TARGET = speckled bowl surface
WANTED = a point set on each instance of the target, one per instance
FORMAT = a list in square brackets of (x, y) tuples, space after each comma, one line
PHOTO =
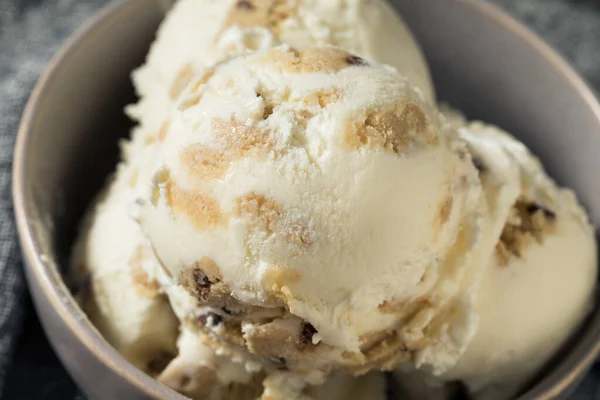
[(482, 61)]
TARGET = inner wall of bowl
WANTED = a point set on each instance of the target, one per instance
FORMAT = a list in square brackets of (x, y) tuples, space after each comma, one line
[(79, 122), (492, 75), (482, 67)]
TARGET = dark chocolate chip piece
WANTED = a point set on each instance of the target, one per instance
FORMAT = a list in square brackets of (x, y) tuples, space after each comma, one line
[(245, 5), (226, 310), (202, 285), (307, 333), (279, 361), (210, 319), (214, 319), (533, 208), (356, 60)]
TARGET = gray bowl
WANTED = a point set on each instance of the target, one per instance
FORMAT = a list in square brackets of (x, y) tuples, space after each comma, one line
[(482, 61)]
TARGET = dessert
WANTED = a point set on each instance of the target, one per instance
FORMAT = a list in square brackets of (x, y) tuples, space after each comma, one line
[(538, 285), (279, 170), (198, 33), (111, 248), (292, 217), (123, 302)]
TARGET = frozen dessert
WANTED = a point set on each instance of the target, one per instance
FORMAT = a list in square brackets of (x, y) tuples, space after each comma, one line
[(538, 285), (293, 216), (109, 263), (281, 170), (124, 300), (198, 33)]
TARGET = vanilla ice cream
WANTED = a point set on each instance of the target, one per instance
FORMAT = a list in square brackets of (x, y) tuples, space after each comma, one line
[(537, 288), (539, 282), (289, 213), (322, 189), (197, 33), (125, 304)]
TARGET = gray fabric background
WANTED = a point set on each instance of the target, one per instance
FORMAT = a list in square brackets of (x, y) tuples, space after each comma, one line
[(30, 33)]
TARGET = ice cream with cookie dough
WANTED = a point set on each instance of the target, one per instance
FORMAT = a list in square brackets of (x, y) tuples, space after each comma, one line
[(293, 212), (321, 214)]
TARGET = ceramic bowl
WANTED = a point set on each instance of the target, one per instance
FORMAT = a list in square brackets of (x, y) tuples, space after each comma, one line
[(482, 61)]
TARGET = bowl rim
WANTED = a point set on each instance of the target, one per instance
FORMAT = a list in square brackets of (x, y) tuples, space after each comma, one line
[(45, 273), (61, 299)]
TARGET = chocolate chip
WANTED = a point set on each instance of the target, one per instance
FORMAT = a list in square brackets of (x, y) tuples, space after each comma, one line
[(226, 310), (202, 285), (533, 208), (356, 60), (478, 163), (258, 94), (210, 319), (279, 361), (307, 333), (245, 5), (215, 319)]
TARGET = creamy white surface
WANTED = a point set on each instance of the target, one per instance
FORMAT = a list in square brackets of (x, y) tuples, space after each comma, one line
[(530, 306), (138, 323), (370, 210), (193, 34)]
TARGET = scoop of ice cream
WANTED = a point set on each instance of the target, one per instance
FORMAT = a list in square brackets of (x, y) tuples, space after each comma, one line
[(125, 304), (538, 286), (126, 301), (317, 202), (198, 33), (539, 281)]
